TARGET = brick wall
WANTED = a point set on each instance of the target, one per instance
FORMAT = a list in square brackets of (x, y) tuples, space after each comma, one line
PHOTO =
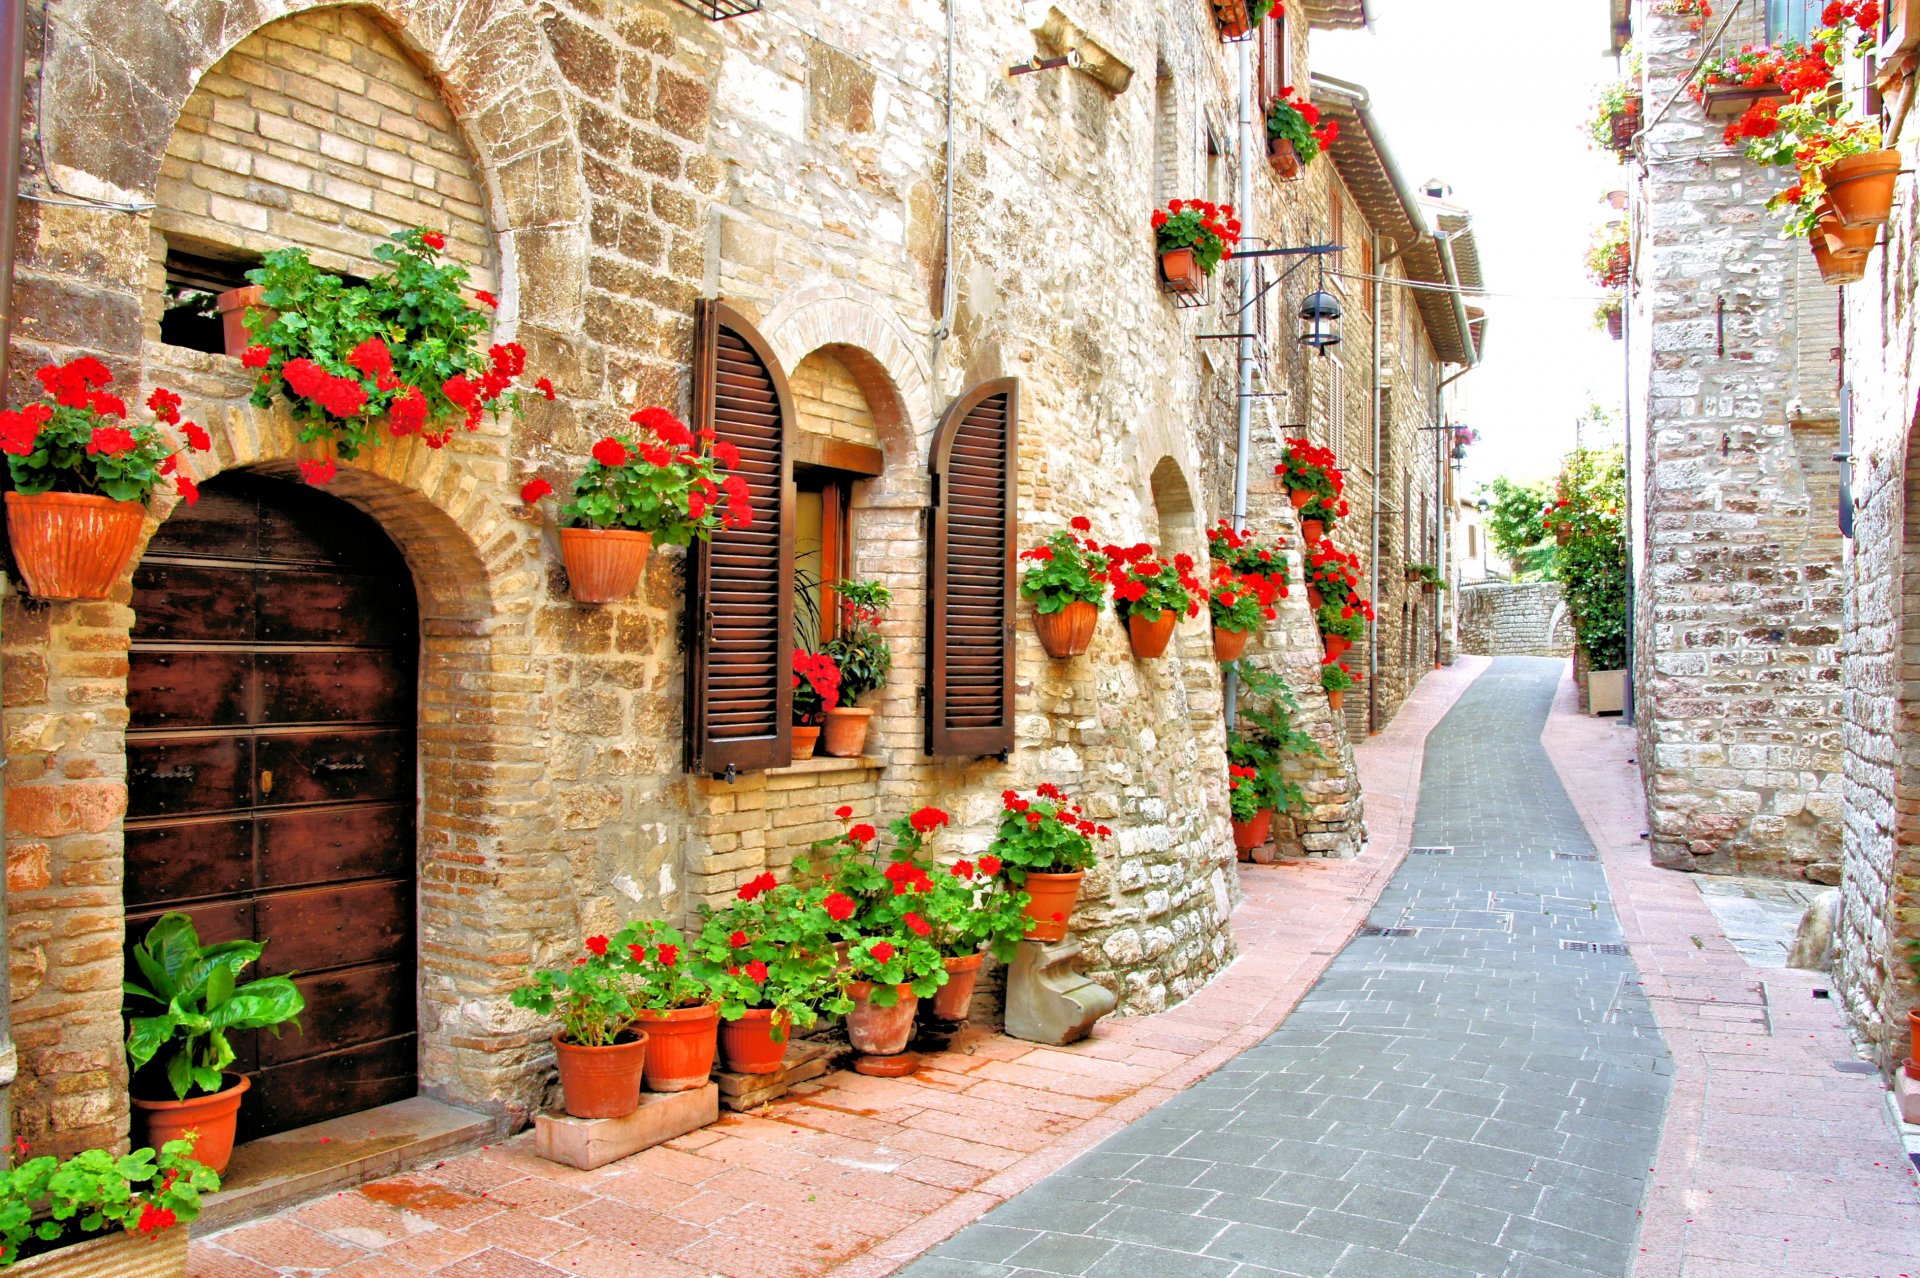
[(1514, 619)]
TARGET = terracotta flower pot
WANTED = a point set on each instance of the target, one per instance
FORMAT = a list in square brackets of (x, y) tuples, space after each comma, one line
[(1312, 530), (748, 1045), (805, 737), (1180, 271), (1300, 497), (603, 564), (680, 1047), (1616, 325), (1336, 645), (1913, 1043), (846, 734), (1336, 698), (1248, 835), (1149, 637), (1229, 644), (1847, 242), (1068, 632), (1314, 597), (72, 545), (601, 1082), (212, 1117), (233, 306), (1285, 159), (116, 1255), (1050, 899), (1861, 186), (1833, 270), (952, 1001), (880, 1031)]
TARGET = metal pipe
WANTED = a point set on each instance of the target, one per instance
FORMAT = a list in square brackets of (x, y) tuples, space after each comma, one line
[(1373, 560), (944, 328), (13, 81), (1243, 402)]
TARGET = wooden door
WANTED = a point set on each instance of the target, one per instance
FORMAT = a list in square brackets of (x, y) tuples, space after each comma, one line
[(271, 776)]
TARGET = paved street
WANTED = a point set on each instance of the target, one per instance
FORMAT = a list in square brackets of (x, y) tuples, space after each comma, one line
[(1479, 1094)]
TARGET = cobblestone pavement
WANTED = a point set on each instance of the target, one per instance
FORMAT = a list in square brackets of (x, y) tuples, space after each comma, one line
[(1477, 1092)]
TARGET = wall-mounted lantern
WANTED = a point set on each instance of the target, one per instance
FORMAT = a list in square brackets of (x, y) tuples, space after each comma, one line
[(1320, 321)]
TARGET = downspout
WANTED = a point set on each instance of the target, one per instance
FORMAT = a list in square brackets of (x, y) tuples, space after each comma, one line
[(13, 78), (1443, 240), (1379, 477), (944, 328), (1243, 416)]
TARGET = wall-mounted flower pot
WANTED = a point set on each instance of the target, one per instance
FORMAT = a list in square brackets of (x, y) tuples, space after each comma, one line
[(1050, 899), (211, 1118), (1248, 835), (806, 736), (1616, 324), (1833, 270), (601, 1082), (1336, 645), (846, 734), (952, 1001), (1861, 186), (1913, 1043), (116, 1255), (603, 564), (1312, 530), (1336, 699), (749, 1046), (1428, 587), (72, 545), (681, 1043), (1314, 597), (1179, 272), (1300, 497), (1229, 644), (1284, 157), (1148, 636), (1847, 243), (880, 1031), (1624, 125), (1233, 18), (233, 306), (1068, 632)]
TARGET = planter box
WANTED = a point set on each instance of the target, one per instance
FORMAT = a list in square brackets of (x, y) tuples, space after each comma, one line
[(1606, 691), (588, 1143), (1727, 102), (121, 1256)]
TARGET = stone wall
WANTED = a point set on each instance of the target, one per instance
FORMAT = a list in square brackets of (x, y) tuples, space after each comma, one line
[(1514, 619), (608, 169), (1738, 605)]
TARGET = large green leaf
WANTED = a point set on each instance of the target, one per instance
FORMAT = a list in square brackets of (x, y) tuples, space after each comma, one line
[(260, 1005), (146, 1036)]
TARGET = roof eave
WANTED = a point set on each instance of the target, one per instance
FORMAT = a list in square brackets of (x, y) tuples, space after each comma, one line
[(1338, 15)]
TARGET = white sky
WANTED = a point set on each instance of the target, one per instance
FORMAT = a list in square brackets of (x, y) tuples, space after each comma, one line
[(1492, 96)]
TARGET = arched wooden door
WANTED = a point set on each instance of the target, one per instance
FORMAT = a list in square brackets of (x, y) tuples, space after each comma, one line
[(271, 776)]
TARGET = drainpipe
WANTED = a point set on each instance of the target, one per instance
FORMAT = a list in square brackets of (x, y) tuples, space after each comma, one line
[(1379, 477), (13, 77), (1443, 240), (1244, 380)]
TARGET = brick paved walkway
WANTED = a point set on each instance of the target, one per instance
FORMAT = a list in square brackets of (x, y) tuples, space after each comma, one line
[(1481, 1096), (859, 1175)]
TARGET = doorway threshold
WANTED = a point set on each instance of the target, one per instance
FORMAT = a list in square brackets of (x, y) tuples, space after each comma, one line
[(292, 1166)]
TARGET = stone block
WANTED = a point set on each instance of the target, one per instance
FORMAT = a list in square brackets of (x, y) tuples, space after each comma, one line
[(588, 1143), (804, 1060)]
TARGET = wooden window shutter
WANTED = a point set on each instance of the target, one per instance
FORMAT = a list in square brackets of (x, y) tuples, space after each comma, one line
[(970, 585), (1273, 59), (740, 584)]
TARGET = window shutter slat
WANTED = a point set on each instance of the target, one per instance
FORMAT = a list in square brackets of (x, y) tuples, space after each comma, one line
[(739, 585), (970, 594)]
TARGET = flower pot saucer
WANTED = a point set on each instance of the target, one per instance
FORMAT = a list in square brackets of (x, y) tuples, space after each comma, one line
[(898, 1066)]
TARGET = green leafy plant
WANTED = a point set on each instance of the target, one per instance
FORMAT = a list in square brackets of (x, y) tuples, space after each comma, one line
[(816, 687), (771, 947), (1047, 834), (1341, 620), (1425, 575), (202, 1002), (1336, 677), (1592, 566), (668, 973), (1328, 510), (1066, 568), (863, 654), (1267, 734), (1210, 230), (1146, 585), (1291, 118), (874, 902), (402, 349), (1312, 468), (1239, 603), (667, 482), (593, 996), (1513, 525), (95, 1192), (76, 441)]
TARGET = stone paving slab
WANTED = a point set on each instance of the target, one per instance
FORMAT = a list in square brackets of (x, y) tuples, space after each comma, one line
[(1469, 1096)]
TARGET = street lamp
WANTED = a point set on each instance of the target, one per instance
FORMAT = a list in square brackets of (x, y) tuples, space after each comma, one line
[(1320, 321)]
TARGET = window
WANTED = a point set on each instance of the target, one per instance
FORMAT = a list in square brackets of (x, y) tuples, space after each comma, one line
[(1216, 176), (1166, 139), (1792, 19), (1366, 268), (822, 534), (1336, 229), (1275, 73), (1473, 541), (189, 319)]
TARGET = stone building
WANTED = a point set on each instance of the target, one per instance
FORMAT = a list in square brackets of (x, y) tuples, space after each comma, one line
[(794, 197), (1734, 417)]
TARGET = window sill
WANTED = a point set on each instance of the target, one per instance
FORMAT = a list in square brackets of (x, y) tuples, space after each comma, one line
[(828, 763)]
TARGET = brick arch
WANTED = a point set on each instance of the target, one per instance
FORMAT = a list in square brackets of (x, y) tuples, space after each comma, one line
[(865, 333)]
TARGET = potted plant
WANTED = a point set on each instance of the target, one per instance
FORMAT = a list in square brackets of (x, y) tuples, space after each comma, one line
[(1238, 605), (1243, 552), (397, 356), (663, 486), (1616, 118), (1696, 12), (772, 961), (601, 1056), (968, 910), (1065, 581), (1333, 575), (200, 1002), (1308, 470), (1044, 845), (865, 659), (1248, 809), (816, 690), (1193, 237), (1264, 736), (1610, 260), (1426, 576), (1336, 678), (1238, 17), (1149, 594), (100, 1213), (1296, 134), (82, 477), (1342, 624), (674, 1002), (1319, 515), (1611, 315)]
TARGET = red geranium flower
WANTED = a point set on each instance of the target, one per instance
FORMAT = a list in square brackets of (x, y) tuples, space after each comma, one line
[(989, 865), (433, 240), (757, 972), (610, 452), (597, 946), (534, 490), (927, 820), (839, 907), (668, 955), (843, 811), (881, 951)]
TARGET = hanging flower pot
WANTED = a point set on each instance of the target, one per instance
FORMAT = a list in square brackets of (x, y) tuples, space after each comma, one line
[(1180, 272), (601, 1082), (681, 1042), (1336, 645), (1300, 497), (1913, 1043), (1066, 633), (952, 1001), (72, 545), (1336, 699), (1050, 899), (1847, 243), (880, 1031), (1248, 835), (1861, 186), (1616, 324), (749, 1045), (1314, 597), (1149, 635), (233, 306), (1312, 530), (603, 564), (208, 1121), (846, 732), (805, 737), (1284, 158), (1228, 645), (1833, 270)]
